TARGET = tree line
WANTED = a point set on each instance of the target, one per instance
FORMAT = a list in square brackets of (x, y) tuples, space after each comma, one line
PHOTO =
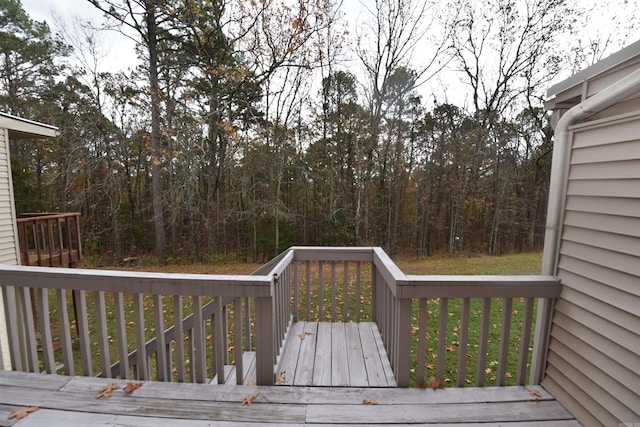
[(250, 126)]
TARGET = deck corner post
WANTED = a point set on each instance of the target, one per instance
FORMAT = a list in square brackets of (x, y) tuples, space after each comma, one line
[(265, 350), (541, 340), (403, 357)]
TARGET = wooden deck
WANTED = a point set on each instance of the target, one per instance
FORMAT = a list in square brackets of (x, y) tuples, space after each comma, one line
[(71, 401), (323, 354), (335, 355)]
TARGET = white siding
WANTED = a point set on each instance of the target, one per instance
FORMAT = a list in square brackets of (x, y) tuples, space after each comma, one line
[(8, 231), (594, 350), (8, 244)]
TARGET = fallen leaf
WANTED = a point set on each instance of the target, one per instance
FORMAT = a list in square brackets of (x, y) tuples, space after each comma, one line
[(369, 401), (249, 398), (22, 412), (433, 383), (534, 393), (304, 334), (106, 390), (252, 383), (282, 378), (131, 387)]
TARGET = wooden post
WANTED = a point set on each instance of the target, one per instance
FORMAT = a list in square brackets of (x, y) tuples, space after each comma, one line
[(219, 341), (541, 340), (11, 314), (264, 341), (404, 342)]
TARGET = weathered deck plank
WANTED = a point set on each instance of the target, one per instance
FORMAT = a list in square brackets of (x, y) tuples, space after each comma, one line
[(372, 361), (322, 356), (304, 373), (436, 413), (339, 365), (70, 401), (355, 356), (289, 359), (335, 355)]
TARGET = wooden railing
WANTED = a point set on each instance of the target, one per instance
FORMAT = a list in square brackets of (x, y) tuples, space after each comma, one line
[(49, 240), (86, 312), (412, 312), (175, 327)]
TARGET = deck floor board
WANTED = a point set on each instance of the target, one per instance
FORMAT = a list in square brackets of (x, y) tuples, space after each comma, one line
[(70, 401), (335, 355)]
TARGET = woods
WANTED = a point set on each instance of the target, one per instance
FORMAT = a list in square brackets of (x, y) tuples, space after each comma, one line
[(250, 126)]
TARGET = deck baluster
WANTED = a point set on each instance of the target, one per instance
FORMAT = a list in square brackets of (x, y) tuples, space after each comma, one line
[(463, 334), (320, 292), (503, 352), (483, 342), (442, 336), (45, 331), (161, 359), (141, 348), (237, 340), (82, 325), (422, 341), (525, 338), (199, 365), (219, 346), (121, 332), (103, 334), (179, 337)]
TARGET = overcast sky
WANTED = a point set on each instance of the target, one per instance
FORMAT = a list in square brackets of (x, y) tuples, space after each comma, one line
[(121, 54), (119, 48)]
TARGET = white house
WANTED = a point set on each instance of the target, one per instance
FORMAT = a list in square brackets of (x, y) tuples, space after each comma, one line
[(12, 127)]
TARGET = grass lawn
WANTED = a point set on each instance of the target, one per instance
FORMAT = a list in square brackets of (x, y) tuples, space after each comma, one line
[(512, 264)]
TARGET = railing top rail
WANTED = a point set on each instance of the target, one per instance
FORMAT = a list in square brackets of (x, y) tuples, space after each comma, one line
[(480, 287), (332, 253), (136, 282), (44, 216), (388, 269), (282, 264), (266, 268)]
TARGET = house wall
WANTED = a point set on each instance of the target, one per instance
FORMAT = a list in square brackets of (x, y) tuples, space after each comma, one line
[(9, 249), (594, 350)]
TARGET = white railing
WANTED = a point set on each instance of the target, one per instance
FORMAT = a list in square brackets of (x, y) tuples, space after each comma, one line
[(363, 284), (156, 326), (58, 319)]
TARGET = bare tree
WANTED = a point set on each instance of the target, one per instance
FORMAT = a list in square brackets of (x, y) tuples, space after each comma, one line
[(505, 51), (387, 42), (144, 18)]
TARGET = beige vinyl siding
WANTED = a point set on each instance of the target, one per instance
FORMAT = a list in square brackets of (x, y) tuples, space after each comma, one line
[(8, 249), (8, 243), (594, 350)]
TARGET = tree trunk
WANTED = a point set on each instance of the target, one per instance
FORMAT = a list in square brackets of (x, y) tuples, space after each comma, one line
[(156, 157)]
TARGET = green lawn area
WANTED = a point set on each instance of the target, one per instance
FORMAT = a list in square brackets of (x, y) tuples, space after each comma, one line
[(526, 263)]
